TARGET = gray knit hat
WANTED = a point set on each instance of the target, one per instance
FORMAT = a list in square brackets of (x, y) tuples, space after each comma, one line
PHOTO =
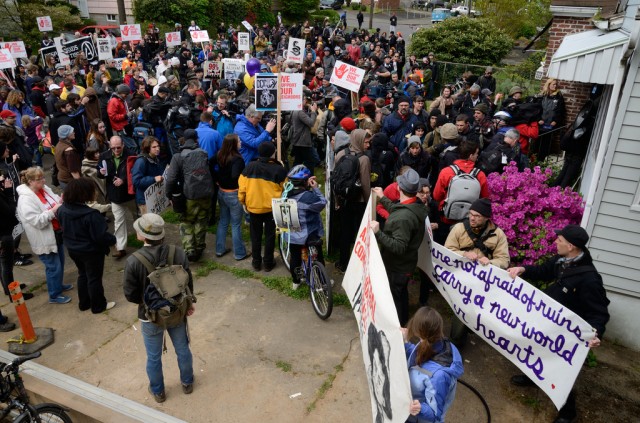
[(65, 131)]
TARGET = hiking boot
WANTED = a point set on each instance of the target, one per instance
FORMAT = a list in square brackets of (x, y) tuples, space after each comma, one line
[(7, 327), (61, 299), (161, 397), (188, 388), (269, 267)]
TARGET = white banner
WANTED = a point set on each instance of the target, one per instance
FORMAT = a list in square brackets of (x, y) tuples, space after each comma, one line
[(172, 38), (365, 283), (243, 41), (6, 60), (347, 76), (44, 23), (247, 25), (131, 32), (295, 52), (63, 58), (199, 36), (155, 197), (16, 48), (104, 49), (291, 86), (232, 69), (541, 337)]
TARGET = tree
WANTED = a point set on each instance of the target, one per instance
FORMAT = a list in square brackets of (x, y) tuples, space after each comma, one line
[(518, 18), (298, 10), (183, 11), (463, 40)]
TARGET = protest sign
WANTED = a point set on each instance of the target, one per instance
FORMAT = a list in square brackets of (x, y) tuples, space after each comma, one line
[(49, 56), (62, 57), (365, 283), (6, 60), (247, 25), (104, 49), (44, 23), (155, 197), (243, 41), (199, 36), (285, 214), (266, 90), (80, 45), (16, 48), (212, 69), (291, 86), (544, 339), (118, 63), (347, 76), (172, 39), (295, 52), (232, 69), (131, 32)]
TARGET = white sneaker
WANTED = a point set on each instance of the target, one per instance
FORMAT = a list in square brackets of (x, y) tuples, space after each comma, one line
[(110, 305), (295, 286)]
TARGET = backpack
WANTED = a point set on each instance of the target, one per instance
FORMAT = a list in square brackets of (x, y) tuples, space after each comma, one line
[(345, 177), (463, 190), (490, 161), (167, 297), (142, 130), (131, 161)]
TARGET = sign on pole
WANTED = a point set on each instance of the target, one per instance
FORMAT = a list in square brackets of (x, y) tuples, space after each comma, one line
[(365, 283), (62, 56), (243, 41), (232, 69), (85, 45), (172, 39), (104, 49), (212, 69), (291, 91), (347, 76), (295, 52), (199, 36), (247, 25), (155, 197), (44, 23), (6, 60), (131, 32), (266, 90), (16, 48)]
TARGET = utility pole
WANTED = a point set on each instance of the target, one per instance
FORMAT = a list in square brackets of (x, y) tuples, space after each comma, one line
[(371, 13), (122, 13)]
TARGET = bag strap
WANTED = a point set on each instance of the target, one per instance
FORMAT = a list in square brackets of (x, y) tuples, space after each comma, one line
[(478, 240), (421, 370), (475, 172), (456, 169), (172, 254), (145, 262)]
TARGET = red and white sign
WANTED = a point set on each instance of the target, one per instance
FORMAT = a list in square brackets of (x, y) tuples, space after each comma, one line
[(16, 48), (172, 39), (212, 69), (347, 76), (291, 86), (6, 60), (44, 23), (131, 32), (199, 36)]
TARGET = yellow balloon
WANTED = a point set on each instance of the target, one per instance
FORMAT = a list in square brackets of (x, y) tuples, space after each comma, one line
[(248, 81)]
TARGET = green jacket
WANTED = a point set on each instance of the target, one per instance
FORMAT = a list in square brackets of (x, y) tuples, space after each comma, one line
[(402, 235)]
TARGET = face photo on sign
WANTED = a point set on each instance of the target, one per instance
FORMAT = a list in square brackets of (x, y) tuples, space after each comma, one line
[(285, 214), (379, 350)]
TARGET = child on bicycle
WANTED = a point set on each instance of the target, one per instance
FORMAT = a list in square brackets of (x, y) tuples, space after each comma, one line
[(310, 202)]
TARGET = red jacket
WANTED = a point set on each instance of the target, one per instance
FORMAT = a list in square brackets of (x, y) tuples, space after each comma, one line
[(393, 194), (117, 110), (527, 133), (440, 191)]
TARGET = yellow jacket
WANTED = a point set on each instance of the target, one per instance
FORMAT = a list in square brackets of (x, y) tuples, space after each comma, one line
[(261, 181), (460, 242)]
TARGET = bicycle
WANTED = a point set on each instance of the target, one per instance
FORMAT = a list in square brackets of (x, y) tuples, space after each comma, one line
[(16, 399), (313, 273)]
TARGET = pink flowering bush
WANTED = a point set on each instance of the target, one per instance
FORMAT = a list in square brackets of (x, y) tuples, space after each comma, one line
[(528, 211)]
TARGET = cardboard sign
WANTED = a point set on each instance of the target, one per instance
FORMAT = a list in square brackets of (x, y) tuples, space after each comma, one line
[(544, 339), (295, 52), (131, 32), (232, 69), (247, 25), (172, 39), (266, 90), (104, 49), (6, 60), (347, 76), (243, 41), (365, 283), (212, 69), (291, 91), (199, 36), (16, 48), (44, 23), (84, 45), (155, 198)]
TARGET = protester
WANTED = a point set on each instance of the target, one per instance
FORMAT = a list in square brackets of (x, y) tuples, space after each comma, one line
[(68, 159), (147, 170), (251, 133)]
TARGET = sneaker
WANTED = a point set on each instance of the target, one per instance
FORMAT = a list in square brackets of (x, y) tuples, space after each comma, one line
[(295, 286), (18, 254), (187, 389), (245, 256), (22, 262), (61, 299), (228, 250), (110, 305), (161, 397), (66, 288), (7, 327)]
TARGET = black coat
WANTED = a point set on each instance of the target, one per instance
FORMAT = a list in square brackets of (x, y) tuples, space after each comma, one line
[(116, 194), (84, 229)]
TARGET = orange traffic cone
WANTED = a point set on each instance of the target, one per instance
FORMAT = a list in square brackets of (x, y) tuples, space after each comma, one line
[(28, 334)]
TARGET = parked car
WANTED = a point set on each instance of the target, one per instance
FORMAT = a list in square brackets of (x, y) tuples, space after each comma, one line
[(419, 4), (355, 2), (434, 4), (440, 14), (464, 10), (331, 4), (102, 30)]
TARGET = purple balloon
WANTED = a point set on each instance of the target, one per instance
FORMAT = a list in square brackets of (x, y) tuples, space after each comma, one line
[(253, 66)]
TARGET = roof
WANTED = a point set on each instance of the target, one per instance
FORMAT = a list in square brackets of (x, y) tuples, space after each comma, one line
[(590, 56), (606, 5)]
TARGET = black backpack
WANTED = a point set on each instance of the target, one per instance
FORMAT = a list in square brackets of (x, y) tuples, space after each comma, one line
[(490, 161), (345, 177)]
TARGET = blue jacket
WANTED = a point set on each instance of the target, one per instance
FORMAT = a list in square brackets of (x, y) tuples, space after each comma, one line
[(26, 110), (397, 129), (436, 392), (209, 139), (310, 204), (251, 137), (224, 125), (143, 175)]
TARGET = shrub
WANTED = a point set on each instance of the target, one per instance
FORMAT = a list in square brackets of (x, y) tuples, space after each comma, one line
[(463, 40), (518, 18), (528, 211), (319, 15), (298, 9)]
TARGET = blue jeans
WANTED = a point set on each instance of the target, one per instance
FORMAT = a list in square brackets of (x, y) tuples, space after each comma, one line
[(54, 270), (230, 211), (153, 336)]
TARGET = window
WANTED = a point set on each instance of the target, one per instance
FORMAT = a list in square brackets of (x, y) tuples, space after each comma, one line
[(111, 18)]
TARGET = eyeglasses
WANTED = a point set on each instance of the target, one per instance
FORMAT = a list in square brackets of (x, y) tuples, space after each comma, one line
[(116, 148)]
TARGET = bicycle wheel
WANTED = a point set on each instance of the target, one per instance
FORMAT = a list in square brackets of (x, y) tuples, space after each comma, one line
[(320, 289), (52, 413), (283, 246)]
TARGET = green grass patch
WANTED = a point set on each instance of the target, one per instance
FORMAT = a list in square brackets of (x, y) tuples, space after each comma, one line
[(133, 242), (531, 402), (283, 365), (170, 216), (592, 359)]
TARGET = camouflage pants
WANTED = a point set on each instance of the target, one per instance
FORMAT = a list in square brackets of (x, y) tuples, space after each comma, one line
[(193, 225)]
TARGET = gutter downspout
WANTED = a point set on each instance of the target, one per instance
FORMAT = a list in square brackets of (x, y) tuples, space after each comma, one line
[(623, 69)]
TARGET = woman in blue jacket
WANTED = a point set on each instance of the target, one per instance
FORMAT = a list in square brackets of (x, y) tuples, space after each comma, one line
[(434, 367), (147, 170)]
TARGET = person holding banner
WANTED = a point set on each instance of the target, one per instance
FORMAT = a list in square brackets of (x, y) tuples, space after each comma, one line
[(576, 284), (147, 170)]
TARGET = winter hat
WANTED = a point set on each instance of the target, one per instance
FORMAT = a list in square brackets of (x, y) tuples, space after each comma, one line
[(435, 112), (7, 113), (190, 134), (123, 89), (409, 181), (448, 131), (348, 124), (441, 120), (65, 131), (404, 99), (514, 90), (150, 226), (341, 139), (482, 206), (574, 234), (414, 139), (266, 149), (175, 61), (482, 108)]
